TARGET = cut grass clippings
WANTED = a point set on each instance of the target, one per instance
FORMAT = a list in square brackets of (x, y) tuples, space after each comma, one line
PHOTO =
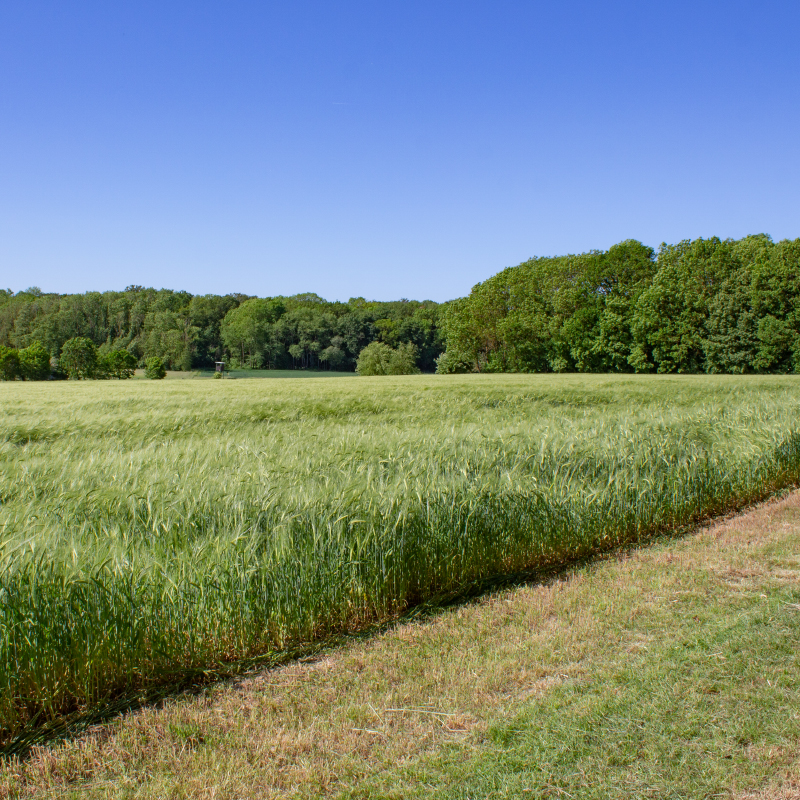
[(670, 671)]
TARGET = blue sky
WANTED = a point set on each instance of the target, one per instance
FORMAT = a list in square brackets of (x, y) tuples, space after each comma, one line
[(383, 149)]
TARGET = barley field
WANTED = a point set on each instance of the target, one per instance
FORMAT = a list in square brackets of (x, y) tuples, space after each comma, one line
[(150, 528)]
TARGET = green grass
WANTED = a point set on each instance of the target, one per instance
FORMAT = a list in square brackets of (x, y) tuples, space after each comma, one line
[(153, 528), (252, 373), (280, 373), (689, 688), (650, 726)]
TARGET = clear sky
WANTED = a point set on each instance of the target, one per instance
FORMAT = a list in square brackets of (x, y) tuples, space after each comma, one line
[(383, 149)]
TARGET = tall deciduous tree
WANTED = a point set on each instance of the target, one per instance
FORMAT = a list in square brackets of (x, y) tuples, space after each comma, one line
[(120, 364), (34, 362), (78, 358), (9, 363), (247, 330)]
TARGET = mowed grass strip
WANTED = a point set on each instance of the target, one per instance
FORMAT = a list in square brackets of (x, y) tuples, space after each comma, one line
[(668, 671)]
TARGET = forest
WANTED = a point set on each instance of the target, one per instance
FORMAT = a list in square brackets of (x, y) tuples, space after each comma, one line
[(193, 332), (703, 305)]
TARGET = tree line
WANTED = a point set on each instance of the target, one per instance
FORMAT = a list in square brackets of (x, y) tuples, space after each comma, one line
[(703, 305), (188, 332)]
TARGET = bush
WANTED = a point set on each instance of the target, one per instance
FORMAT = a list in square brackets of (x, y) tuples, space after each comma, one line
[(378, 358), (374, 359), (119, 364), (34, 362), (404, 360), (452, 362), (79, 358), (154, 369), (9, 363)]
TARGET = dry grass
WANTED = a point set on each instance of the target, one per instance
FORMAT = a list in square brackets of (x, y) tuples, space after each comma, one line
[(787, 789), (321, 727), (306, 727)]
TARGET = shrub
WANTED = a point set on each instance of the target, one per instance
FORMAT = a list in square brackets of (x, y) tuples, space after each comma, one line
[(34, 362), (79, 358), (378, 358), (451, 362), (9, 363), (119, 364), (403, 360), (374, 359), (154, 369)]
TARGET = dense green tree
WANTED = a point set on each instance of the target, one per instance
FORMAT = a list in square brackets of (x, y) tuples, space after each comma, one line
[(550, 314), (34, 362), (206, 313), (305, 332), (248, 331), (154, 368), (732, 341), (671, 315), (78, 358), (170, 336), (356, 330), (775, 300), (779, 346), (120, 364), (186, 332), (378, 358), (334, 356), (702, 305), (419, 328), (9, 363)]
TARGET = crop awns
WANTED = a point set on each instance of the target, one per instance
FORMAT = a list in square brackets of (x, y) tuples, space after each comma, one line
[(152, 529)]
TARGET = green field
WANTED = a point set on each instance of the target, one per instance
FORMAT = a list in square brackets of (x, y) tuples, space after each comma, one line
[(149, 528), (252, 373)]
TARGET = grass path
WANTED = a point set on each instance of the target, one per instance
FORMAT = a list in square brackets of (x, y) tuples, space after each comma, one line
[(672, 671)]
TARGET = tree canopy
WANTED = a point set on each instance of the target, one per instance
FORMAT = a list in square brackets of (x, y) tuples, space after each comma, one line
[(703, 305), (191, 332), (707, 305)]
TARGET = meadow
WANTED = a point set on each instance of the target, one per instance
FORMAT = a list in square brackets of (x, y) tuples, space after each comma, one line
[(292, 374), (148, 529)]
